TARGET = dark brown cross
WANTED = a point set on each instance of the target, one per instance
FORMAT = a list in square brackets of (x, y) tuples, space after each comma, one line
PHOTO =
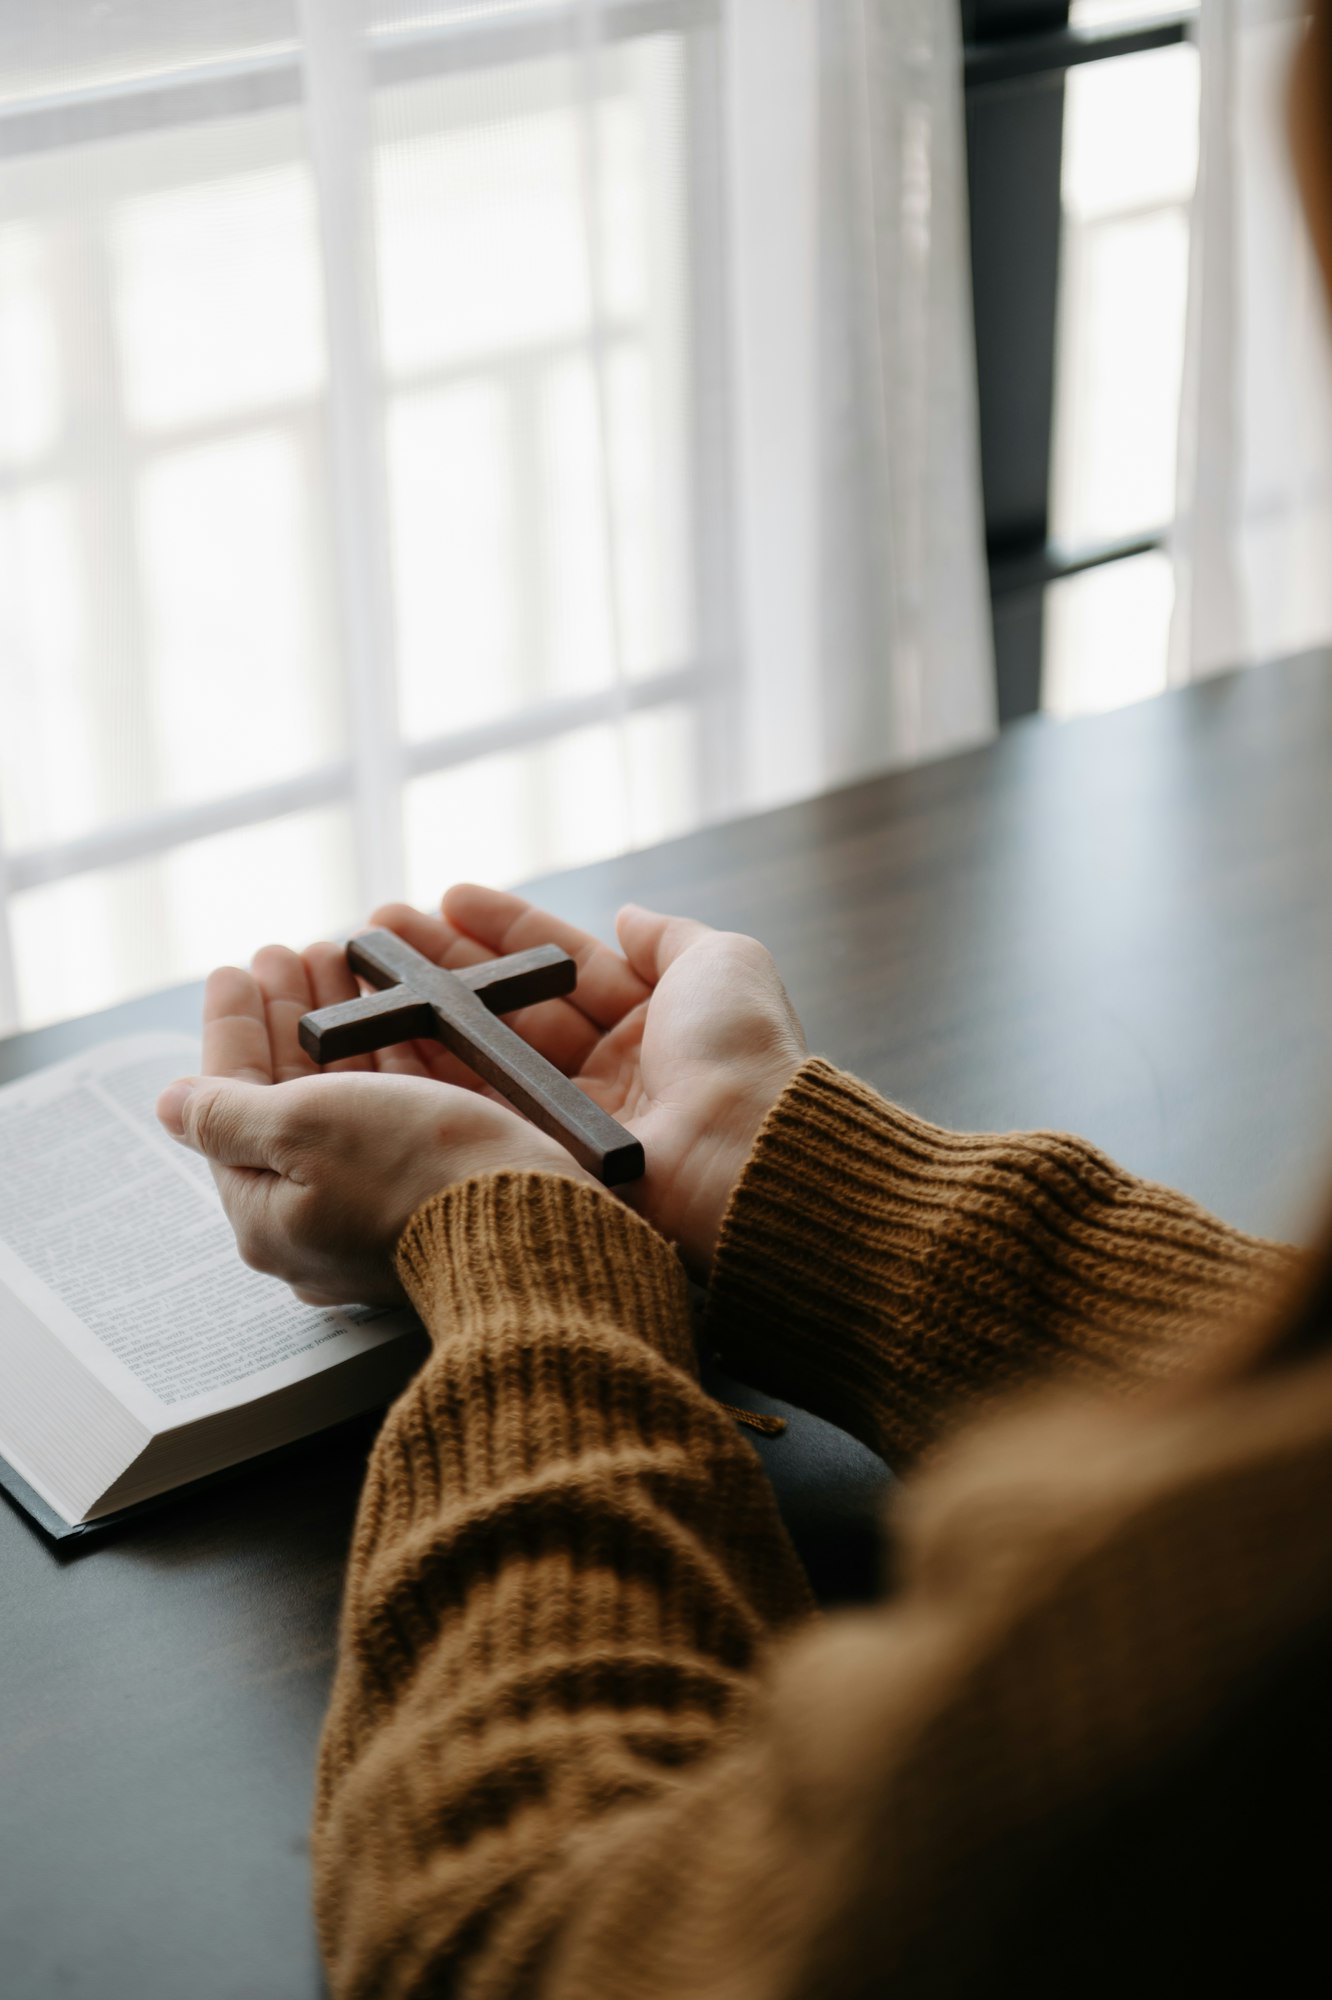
[(459, 1008)]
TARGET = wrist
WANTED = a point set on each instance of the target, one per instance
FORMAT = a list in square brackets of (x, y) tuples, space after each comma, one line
[(537, 1155), (727, 1130), (541, 1155)]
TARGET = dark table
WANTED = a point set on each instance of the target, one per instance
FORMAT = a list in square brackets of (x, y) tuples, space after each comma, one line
[(1121, 926)]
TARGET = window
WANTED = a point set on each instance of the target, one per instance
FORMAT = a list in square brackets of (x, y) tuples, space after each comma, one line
[(303, 603), (1083, 137)]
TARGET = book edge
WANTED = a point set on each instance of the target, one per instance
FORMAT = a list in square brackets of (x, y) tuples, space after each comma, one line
[(26, 1497), (75, 1538)]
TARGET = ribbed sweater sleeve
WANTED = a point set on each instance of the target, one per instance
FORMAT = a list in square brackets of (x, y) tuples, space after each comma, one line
[(566, 1757), (893, 1276), (566, 1568)]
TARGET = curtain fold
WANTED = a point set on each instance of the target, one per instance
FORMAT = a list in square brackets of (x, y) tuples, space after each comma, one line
[(1254, 522)]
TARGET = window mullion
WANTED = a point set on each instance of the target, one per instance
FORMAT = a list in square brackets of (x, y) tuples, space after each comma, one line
[(9, 1011), (705, 412), (771, 117), (144, 838), (339, 129), (599, 347)]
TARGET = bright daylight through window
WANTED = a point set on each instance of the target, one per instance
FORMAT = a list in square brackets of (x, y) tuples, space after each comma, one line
[(1130, 160), (471, 438), (244, 696)]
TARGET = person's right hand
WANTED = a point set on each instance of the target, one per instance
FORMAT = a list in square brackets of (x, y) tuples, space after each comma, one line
[(688, 1039)]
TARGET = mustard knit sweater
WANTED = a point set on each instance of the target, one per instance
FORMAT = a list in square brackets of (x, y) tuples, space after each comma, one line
[(589, 1736)]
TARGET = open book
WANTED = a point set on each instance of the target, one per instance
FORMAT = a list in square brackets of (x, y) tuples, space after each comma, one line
[(137, 1351)]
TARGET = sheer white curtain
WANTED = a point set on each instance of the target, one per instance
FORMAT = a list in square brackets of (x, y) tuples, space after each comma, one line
[(1253, 538), (460, 438)]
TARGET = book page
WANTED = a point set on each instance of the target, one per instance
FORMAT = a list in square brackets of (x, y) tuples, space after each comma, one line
[(117, 1237)]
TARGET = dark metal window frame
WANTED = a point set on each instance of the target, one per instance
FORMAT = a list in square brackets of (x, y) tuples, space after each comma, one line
[(1016, 55)]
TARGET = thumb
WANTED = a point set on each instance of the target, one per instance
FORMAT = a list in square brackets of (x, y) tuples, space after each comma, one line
[(652, 942), (234, 1124)]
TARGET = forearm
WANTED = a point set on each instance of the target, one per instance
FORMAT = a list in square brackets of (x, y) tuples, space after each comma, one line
[(892, 1275), (566, 1567)]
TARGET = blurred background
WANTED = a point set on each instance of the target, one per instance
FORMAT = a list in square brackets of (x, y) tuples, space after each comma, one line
[(471, 439)]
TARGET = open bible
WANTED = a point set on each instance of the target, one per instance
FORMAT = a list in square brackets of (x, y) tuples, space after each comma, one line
[(137, 1351)]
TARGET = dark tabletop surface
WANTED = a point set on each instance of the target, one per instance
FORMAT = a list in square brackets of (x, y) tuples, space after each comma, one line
[(1121, 926)]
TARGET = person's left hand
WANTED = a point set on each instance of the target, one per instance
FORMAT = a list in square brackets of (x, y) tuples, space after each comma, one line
[(320, 1172)]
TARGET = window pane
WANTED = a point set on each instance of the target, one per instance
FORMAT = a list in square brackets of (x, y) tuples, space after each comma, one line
[(662, 753), (1130, 157), (577, 577), (30, 386), (53, 781), (217, 297), (533, 304), (521, 813), (1107, 635), (1130, 132), (98, 938), (169, 629), (586, 794), (1122, 350), (223, 675), (1099, 13), (463, 593), (238, 683), (649, 474), (473, 824), (479, 206)]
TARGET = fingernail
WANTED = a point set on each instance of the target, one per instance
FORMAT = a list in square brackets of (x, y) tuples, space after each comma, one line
[(171, 1104)]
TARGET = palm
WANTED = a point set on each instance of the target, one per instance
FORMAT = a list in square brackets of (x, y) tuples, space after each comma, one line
[(616, 1037), (646, 1062), (691, 1072), (613, 1072), (642, 1051), (685, 1051)]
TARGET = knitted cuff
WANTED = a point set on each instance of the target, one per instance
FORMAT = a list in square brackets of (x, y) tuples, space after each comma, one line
[(819, 1238), (509, 1249), (889, 1273)]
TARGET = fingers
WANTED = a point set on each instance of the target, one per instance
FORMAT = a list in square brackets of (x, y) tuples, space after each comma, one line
[(328, 975), (330, 980), (607, 989), (285, 984), (235, 1027), (435, 939), (440, 943), (245, 1132), (653, 942), (232, 1124), (557, 1029)]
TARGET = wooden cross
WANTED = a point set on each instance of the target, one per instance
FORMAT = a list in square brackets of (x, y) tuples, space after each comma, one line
[(419, 999)]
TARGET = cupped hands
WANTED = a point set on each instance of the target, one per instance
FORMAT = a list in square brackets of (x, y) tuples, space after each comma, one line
[(685, 1035)]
